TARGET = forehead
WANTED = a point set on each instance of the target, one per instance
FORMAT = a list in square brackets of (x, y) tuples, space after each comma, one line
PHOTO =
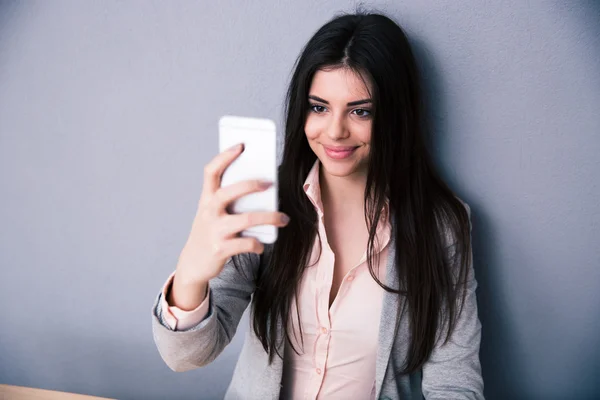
[(341, 85)]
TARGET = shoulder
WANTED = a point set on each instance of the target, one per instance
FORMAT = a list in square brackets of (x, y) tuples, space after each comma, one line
[(465, 205), (453, 221)]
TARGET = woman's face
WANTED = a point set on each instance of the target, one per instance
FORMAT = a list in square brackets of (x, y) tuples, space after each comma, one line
[(339, 121)]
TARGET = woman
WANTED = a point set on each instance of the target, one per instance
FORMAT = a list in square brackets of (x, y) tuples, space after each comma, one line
[(369, 291)]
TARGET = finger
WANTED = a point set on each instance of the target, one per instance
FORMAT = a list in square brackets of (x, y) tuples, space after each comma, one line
[(232, 247), (213, 171), (225, 196), (234, 224)]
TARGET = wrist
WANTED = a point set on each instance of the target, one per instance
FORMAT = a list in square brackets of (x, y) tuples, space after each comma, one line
[(189, 283), (186, 295)]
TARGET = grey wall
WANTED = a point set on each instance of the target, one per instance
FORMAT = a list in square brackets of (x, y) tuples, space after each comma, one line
[(108, 112)]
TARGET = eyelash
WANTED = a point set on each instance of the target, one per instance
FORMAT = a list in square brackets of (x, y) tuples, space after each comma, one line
[(365, 110)]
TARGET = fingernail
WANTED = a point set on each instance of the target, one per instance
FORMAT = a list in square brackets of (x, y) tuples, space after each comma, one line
[(235, 148), (265, 184), (285, 219)]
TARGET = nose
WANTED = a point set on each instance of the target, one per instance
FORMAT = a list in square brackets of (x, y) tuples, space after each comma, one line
[(337, 129)]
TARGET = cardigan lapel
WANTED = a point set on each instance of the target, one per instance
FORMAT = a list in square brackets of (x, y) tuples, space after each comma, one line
[(392, 302)]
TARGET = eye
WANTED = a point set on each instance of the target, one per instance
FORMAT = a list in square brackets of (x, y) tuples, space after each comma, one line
[(317, 108), (361, 112)]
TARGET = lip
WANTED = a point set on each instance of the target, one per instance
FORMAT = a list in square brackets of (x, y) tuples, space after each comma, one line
[(339, 152), (340, 148)]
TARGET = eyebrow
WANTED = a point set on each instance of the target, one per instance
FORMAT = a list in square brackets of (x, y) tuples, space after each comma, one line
[(352, 103)]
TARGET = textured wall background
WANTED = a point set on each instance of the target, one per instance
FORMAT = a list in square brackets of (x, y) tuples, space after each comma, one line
[(109, 110)]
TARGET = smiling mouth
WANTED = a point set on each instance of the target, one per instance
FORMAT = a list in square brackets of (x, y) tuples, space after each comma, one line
[(338, 153)]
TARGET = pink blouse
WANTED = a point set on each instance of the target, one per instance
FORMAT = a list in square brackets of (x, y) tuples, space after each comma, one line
[(337, 359)]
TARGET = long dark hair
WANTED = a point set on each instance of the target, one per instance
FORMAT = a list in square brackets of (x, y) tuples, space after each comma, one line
[(422, 207)]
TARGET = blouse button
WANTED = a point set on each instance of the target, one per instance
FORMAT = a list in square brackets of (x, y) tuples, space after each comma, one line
[(350, 278), (324, 330), (319, 371)]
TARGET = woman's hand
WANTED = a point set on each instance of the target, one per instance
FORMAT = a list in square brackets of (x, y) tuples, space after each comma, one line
[(214, 237)]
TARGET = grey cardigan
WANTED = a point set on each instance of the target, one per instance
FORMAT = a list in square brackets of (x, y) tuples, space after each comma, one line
[(452, 372)]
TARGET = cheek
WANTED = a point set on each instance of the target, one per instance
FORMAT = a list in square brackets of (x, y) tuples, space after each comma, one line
[(311, 127), (363, 133)]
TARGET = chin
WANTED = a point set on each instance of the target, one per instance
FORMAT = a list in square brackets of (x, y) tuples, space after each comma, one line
[(340, 168)]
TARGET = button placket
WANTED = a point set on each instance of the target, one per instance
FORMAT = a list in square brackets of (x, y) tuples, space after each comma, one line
[(322, 348), (322, 339)]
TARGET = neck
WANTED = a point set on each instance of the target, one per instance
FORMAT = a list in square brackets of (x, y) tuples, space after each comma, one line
[(342, 194)]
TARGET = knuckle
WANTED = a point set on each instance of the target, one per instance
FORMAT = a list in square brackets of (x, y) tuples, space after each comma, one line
[(218, 202), (253, 245), (258, 246), (210, 169)]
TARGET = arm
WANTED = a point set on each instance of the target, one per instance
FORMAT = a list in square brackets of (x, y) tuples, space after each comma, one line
[(229, 295), (454, 371), (207, 261)]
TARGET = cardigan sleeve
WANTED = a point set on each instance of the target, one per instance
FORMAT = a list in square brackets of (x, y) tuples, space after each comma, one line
[(199, 345), (453, 370)]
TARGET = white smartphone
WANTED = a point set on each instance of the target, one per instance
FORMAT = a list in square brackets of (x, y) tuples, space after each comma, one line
[(257, 161)]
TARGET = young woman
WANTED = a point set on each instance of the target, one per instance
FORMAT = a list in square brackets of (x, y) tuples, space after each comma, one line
[(369, 291)]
